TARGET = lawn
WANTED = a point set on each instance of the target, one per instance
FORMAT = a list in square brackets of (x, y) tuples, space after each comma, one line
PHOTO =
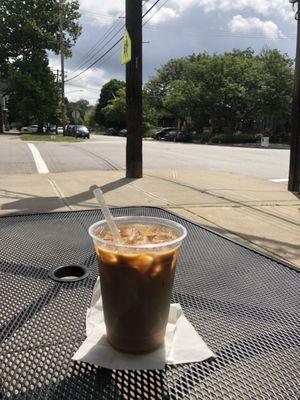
[(32, 137)]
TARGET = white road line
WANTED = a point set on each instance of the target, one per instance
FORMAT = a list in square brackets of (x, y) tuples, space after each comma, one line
[(39, 162), (279, 180)]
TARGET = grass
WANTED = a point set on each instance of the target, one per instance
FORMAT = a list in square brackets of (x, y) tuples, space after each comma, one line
[(31, 137)]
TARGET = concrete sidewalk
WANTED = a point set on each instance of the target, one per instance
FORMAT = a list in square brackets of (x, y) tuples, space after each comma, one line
[(261, 214)]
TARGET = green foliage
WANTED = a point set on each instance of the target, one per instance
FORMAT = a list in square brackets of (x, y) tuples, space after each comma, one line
[(34, 96), (108, 93), (238, 90), (32, 26), (82, 106), (89, 117), (28, 30), (235, 138), (115, 111)]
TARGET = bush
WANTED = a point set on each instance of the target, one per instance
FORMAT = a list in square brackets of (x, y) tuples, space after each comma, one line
[(244, 138), (222, 138), (237, 137), (148, 129)]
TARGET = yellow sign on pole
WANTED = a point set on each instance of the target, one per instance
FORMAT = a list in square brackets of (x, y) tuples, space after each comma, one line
[(126, 48)]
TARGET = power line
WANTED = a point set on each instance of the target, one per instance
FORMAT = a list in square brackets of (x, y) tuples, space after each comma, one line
[(151, 8), (95, 62), (93, 53), (106, 34), (146, 22), (112, 47)]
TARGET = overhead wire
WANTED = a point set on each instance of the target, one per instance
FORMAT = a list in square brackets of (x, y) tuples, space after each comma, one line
[(91, 53), (111, 48), (89, 57)]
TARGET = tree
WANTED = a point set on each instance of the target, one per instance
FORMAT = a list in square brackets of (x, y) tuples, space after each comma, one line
[(115, 111), (237, 90), (34, 96), (32, 26), (276, 103), (108, 93), (81, 105), (27, 31), (89, 118)]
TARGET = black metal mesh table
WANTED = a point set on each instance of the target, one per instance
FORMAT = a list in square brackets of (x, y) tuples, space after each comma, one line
[(244, 304)]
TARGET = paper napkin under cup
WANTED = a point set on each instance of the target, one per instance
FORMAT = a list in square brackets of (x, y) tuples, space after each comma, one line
[(182, 342)]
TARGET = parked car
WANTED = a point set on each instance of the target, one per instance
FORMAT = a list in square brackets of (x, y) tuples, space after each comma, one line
[(171, 135), (162, 132), (69, 130), (111, 132), (59, 130), (30, 128), (80, 131), (183, 137), (123, 132), (56, 130)]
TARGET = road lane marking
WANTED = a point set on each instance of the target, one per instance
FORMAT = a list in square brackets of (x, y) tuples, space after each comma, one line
[(279, 180), (39, 162)]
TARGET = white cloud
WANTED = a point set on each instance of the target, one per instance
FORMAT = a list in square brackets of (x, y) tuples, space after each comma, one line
[(253, 24), (87, 86), (100, 15), (264, 7), (102, 12), (161, 15)]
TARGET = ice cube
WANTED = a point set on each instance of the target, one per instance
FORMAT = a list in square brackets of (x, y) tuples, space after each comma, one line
[(156, 270), (143, 262)]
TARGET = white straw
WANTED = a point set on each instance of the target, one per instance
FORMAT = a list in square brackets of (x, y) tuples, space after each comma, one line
[(107, 215)]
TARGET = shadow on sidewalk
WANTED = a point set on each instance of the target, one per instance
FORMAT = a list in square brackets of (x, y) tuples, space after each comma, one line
[(29, 205)]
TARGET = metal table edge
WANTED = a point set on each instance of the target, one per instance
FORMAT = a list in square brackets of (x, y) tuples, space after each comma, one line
[(260, 252)]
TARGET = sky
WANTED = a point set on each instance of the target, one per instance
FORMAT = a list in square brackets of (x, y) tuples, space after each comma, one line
[(174, 28)]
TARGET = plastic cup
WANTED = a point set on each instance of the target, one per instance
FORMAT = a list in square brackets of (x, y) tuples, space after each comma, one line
[(136, 284)]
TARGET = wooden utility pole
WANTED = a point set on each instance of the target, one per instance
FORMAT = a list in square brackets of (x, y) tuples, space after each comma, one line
[(134, 81), (62, 61), (294, 175), (1, 114)]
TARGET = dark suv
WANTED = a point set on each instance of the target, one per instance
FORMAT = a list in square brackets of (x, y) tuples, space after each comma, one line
[(162, 132), (80, 131)]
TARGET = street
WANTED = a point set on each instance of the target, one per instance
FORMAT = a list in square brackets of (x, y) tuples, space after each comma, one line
[(108, 153), (221, 187)]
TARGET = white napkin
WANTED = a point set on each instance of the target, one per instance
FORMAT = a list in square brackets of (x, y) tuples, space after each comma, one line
[(182, 342)]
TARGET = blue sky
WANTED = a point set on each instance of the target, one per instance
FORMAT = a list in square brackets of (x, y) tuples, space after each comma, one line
[(175, 28)]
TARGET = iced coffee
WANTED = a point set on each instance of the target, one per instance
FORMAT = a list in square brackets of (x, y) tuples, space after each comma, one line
[(136, 279)]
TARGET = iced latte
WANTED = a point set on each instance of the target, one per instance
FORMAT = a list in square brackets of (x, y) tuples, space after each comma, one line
[(136, 279)]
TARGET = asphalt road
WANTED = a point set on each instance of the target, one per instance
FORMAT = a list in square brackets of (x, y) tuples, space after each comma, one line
[(108, 153)]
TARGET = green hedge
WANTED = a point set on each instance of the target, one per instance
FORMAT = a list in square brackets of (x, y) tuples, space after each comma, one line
[(236, 138)]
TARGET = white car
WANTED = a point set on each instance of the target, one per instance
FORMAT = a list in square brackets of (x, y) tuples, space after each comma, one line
[(60, 130), (30, 128)]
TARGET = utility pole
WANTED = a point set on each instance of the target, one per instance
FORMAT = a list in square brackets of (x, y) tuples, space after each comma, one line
[(134, 81), (62, 61), (294, 175), (1, 114)]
